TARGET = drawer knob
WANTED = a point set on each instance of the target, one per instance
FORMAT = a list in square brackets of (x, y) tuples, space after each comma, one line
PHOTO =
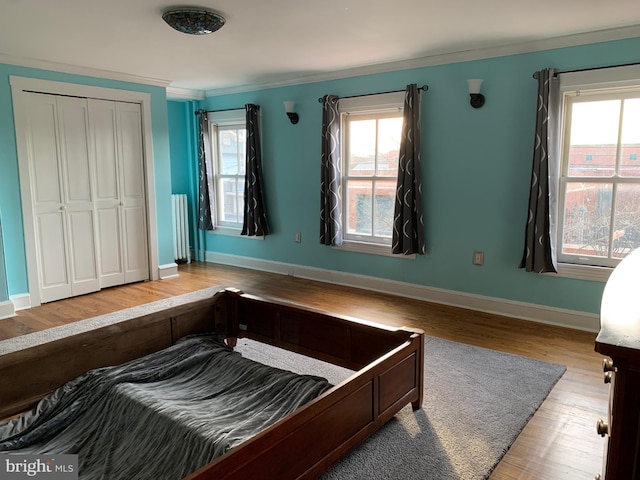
[(607, 377), (607, 365), (598, 477), (602, 428)]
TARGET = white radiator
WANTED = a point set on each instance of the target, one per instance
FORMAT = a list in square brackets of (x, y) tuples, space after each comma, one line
[(180, 217)]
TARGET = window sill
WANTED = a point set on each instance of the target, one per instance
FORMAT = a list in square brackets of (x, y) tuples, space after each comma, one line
[(371, 249), (583, 272), (233, 232)]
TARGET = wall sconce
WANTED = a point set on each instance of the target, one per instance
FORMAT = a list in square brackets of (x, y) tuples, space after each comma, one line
[(477, 99), (288, 107)]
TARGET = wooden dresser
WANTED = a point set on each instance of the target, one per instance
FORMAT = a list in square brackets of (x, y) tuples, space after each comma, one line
[(619, 340)]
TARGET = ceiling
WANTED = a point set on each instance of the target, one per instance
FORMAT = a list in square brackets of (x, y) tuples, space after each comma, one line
[(279, 42)]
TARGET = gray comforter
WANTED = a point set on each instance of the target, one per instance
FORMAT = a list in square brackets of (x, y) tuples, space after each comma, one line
[(161, 416)]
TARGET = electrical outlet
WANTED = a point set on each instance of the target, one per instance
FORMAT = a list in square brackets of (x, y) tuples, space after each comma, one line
[(478, 258), (298, 237)]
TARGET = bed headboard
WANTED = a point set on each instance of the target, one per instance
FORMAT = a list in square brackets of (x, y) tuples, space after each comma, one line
[(338, 339)]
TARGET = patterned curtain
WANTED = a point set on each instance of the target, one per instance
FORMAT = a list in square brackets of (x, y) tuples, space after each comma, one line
[(255, 215), (206, 196), (408, 223), (330, 174), (541, 230)]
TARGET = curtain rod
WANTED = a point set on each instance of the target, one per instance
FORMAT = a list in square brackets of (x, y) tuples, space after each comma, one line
[(423, 88), (596, 68), (198, 112)]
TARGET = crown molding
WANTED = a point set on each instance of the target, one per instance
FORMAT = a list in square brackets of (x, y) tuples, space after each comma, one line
[(86, 71), (445, 58), (178, 93)]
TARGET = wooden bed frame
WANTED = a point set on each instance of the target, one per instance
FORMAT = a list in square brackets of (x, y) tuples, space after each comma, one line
[(389, 364)]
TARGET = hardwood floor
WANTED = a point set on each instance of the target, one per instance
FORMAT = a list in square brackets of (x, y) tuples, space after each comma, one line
[(560, 441)]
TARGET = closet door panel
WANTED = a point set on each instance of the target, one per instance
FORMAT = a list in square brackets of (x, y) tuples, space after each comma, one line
[(136, 265), (111, 271), (54, 278), (73, 124), (136, 262), (43, 150), (47, 197), (102, 121), (130, 133), (82, 252), (72, 114)]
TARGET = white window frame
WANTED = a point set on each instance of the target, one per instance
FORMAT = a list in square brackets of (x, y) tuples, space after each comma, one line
[(230, 118), (369, 106), (616, 82)]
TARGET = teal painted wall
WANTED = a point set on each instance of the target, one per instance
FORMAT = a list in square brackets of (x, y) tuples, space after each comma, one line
[(182, 141), (476, 174), (10, 202), (184, 174)]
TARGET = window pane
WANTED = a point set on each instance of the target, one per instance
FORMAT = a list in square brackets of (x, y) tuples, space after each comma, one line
[(229, 200), (626, 227), (383, 211), (389, 131), (594, 138), (229, 151), (629, 163), (242, 150), (362, 147), (587, 212), (359, 208), (240, 200)]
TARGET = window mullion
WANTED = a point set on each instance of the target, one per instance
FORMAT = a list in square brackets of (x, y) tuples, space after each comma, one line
[(612, 219), (236, 199), (373, 206), (619, 145)]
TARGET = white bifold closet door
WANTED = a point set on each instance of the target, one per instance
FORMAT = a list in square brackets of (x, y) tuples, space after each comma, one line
[(88, 194), (120, 199)]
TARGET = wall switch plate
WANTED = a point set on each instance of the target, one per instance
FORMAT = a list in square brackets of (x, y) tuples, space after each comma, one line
[(298, 237), (478, 258)]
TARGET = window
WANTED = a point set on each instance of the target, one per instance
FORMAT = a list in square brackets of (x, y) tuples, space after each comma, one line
[(599, 191), (228, 137), (371, 128)]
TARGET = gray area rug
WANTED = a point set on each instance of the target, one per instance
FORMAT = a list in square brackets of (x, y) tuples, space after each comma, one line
[(476, 403)]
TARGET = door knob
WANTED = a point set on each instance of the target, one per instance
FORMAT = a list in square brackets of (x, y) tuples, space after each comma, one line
[(602, 427)]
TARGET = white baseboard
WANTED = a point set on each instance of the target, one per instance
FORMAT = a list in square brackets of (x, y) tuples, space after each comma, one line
[(7, 310), (526, 311), (21, 301), (168, 270)]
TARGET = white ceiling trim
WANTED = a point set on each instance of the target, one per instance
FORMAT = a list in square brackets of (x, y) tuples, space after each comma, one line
[(178, 93), (76, 70), (432, 60)]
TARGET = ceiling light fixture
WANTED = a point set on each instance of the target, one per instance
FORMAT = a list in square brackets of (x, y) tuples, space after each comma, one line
[(193, 21)]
